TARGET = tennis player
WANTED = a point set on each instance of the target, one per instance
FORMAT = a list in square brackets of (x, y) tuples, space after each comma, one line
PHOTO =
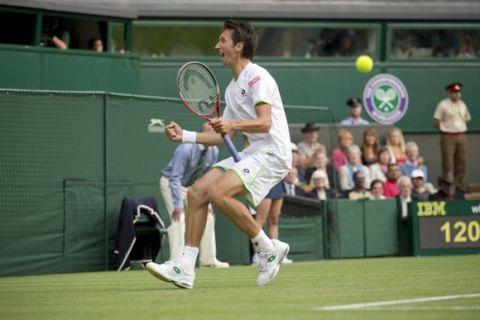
[(253, 107)]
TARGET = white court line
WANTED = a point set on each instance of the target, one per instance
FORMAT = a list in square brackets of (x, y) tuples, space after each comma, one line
[(394, 302)]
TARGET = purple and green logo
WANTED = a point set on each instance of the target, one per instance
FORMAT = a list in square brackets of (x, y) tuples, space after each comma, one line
[(385, 98)]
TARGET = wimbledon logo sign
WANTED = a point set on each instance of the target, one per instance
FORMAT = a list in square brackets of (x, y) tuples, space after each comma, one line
[(385, 98)]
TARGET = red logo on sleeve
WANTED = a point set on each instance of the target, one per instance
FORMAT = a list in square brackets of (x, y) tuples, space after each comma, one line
[(253, 81)]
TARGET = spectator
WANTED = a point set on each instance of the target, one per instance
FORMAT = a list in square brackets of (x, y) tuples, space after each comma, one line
[(95, 44), (345, 140), (354, 165), (414, 161), (390, 185), (296, 163), (320, 161), (404, 46), (188, 163), (404, 194), (310, 143), (343, 45), (447, 190), (320, 190), (379, 170), (419, 191), (355, 109), (396, 145), (291, 186), (359, 191), (376, 189), (54, 35), (465, 49), (370, 147), (450, 118)]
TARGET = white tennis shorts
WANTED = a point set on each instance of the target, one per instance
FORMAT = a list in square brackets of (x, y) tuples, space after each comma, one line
[(259, 172)]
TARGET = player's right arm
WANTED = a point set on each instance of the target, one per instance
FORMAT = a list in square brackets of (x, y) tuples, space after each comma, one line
[(175, 133)]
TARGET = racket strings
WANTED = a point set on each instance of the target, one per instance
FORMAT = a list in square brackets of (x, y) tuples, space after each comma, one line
[(198, 89)]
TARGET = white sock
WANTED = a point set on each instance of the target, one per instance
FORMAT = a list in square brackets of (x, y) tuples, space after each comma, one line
[(189, 258), (262, 243)]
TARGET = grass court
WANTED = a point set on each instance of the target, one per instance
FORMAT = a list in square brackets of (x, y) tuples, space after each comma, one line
[(382, 288)]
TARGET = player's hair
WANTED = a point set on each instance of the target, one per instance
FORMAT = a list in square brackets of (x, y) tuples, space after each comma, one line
[(242, 32)]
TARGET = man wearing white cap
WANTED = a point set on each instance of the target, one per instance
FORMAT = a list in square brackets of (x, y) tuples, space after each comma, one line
[(419, 191)]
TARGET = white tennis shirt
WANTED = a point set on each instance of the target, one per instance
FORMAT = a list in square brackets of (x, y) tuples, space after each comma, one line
[(255, 85)]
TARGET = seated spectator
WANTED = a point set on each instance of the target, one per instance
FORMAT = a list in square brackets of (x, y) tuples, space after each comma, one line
[(404, 194), (396, 145), (370, 147), (95, 44), (465, 49), (419, 191), (345, 140), (296, 164), (390, 185), (320, 161), (355, 109), (308, 145), (359, 191), (378, 171), (54, 34), (345, 176), (447, 190), (414, 161), (342, 45), (320, 190), (376, 189), (291, 186)]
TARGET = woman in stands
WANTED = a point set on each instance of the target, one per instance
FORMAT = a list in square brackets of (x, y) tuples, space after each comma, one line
[(396, 145), (370, 147)]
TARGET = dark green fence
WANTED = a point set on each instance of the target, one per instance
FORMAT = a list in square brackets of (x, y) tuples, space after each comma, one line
[(68, 158)]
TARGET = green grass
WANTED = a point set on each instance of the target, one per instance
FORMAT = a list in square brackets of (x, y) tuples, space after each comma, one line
[(233, 294)]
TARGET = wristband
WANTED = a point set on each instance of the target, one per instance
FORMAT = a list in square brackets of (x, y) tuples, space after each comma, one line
[(189, 136)]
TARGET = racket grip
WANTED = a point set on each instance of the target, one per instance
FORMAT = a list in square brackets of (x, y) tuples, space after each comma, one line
[(231, 146)]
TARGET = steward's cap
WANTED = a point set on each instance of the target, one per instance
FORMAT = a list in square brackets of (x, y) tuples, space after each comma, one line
[(354, 102), (454, 87)]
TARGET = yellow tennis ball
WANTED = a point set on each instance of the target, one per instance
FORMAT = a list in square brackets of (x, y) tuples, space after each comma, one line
[(364, 64)]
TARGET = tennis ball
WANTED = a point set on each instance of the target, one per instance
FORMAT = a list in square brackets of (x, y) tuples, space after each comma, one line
[(364, 64)]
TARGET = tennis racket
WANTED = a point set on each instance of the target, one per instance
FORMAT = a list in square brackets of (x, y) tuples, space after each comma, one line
[(199, 92)]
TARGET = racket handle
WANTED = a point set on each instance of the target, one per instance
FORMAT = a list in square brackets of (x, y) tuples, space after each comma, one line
[(231, 146)]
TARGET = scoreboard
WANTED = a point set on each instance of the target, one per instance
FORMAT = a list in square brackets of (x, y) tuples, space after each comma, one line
[(445, 227)]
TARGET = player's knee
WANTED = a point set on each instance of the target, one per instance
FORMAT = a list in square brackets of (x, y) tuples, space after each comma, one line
[(214, 196), (196, 194)]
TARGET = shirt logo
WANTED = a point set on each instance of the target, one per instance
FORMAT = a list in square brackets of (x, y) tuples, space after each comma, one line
[(385, 98), (253, 81), (243, 92), (246, 171)]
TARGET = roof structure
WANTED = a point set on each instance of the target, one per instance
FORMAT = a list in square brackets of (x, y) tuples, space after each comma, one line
[(294, 9)]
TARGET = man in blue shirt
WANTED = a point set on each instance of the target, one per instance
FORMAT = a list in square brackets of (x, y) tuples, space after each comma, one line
[(355, 108), (414, 161), (189, 162)]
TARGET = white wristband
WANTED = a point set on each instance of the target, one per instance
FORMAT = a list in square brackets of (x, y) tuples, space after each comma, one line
[(189, 136)]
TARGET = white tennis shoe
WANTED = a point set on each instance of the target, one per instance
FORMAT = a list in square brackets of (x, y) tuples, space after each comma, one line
[(269, 262), (173, 272)]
